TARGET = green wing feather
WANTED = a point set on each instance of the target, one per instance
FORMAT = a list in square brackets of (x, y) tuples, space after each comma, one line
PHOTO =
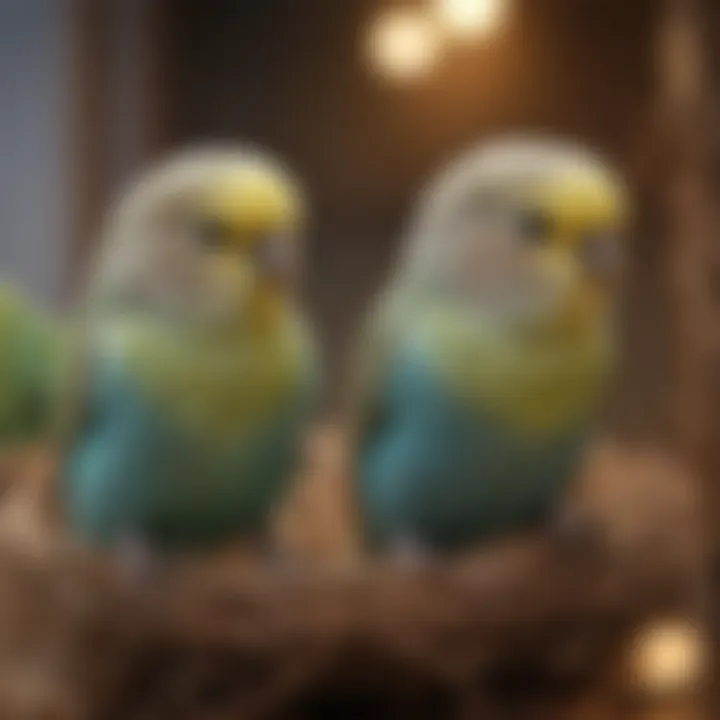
[(32, 366)]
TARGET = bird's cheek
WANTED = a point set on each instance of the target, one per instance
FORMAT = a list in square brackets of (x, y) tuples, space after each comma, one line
[(574, 291), (228, 283), (484, 263), (557, 267), (553, 276)]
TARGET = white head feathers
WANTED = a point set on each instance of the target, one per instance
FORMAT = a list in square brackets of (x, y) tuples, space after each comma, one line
[(507, 164)]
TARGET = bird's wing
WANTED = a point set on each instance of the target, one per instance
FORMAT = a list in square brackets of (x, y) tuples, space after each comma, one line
[(32, 348)]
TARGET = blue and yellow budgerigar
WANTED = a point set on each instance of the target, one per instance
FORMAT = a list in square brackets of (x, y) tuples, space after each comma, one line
[(32, 359), (199, 369), (488, 356)]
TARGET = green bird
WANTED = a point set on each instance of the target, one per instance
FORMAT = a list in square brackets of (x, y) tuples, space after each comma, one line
[(199, 365), (31, 364), (488, 356)]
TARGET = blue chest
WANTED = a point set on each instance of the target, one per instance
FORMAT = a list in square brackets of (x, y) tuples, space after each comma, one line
[(137, 469), (451, 473)]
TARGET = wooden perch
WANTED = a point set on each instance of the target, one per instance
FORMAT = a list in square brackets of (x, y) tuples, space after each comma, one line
[(223, 639)]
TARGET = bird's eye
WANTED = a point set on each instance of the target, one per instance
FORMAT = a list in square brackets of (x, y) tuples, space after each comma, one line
[(533, 226), (211, 233)]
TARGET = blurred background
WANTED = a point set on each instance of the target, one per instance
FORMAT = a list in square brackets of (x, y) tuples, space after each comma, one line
[(364, 99)]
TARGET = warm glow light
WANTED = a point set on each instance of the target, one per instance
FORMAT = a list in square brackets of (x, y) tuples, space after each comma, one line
[(470, 18), (669, 659), (404, 43)]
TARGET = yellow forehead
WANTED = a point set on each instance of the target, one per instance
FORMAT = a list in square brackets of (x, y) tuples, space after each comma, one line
[(580, 201), (254, 201)]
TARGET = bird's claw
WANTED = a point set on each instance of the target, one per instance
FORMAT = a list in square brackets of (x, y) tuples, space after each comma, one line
[(138, 561), (410, 553)]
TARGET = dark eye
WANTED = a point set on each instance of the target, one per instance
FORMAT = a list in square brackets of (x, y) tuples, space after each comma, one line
[(211, 233), (533, 226)]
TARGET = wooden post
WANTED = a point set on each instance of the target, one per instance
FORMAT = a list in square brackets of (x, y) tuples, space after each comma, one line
[(122, 106), (89, 139), (687, 212), (684, 114)]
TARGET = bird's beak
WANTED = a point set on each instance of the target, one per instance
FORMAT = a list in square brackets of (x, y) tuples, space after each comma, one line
[(277, 261), (601, 258), (590, 211)]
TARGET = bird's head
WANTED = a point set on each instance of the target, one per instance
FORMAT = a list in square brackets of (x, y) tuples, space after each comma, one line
[(528, 230), (210, 238)]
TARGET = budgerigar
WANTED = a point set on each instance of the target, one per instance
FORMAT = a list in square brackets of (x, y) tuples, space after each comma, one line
[(200, 366), (488, 356), (31, 362)]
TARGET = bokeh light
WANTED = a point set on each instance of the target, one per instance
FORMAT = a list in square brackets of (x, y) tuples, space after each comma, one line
[(472, 18), (404, 44)]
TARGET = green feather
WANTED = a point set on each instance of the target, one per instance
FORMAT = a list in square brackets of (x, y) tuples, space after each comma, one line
[(33, 356)]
